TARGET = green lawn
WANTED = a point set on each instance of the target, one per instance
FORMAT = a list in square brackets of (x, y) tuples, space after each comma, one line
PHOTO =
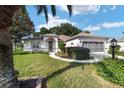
[(59, 73)]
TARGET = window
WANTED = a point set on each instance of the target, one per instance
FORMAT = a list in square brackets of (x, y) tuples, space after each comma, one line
[(36, 45), (71, 43)]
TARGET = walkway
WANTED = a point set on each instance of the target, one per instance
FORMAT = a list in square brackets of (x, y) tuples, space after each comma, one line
[(95, 60), (119, 57)]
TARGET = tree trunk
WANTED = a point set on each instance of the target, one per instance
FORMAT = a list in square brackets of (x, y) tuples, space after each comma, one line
[(8, 78)]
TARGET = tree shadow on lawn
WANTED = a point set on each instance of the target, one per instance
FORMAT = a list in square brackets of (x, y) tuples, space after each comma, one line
[(33, 83), (70, 66)]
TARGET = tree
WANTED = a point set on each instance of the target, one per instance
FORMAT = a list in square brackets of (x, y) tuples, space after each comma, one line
[(22, 26), (62, 46), (44, 30), (69, 29), (87, 32), (65, 29), (8, 76)]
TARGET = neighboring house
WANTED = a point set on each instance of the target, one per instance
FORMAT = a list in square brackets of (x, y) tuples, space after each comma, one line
[(120, 42), (96, 44), (49, 42)]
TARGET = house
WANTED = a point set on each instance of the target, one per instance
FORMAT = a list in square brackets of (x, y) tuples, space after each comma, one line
[(49, 42), (96, 44), (64, 38)]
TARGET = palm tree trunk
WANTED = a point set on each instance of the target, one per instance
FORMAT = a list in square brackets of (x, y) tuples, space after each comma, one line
[(8, 78)]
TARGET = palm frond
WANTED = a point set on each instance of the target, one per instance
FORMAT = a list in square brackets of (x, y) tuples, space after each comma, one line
[(45, 12), (69, 9), (53, 9), (43, 8), (39, 9)]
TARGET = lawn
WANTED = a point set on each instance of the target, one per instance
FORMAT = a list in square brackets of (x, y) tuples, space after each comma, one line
[(59, 73)]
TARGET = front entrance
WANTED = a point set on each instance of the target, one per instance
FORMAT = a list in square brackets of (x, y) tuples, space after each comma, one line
[(50, 44)]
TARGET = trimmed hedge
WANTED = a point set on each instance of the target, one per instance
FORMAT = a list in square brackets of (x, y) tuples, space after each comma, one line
[(62, 47), (78, 53), (33, 52)]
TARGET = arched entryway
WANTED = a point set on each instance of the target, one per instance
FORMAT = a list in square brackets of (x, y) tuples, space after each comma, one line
[(50, 45), (50, 41)]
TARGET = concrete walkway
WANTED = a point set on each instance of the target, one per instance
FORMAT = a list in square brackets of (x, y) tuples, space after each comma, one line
[(117, 56), (95, 60)]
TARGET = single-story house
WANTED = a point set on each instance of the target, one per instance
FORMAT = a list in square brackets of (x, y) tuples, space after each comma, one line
[(49, 42), (64, 38), (96, 44)]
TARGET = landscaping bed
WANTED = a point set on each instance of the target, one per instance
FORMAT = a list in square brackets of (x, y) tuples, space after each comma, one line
[(76, 53), (112, 70)]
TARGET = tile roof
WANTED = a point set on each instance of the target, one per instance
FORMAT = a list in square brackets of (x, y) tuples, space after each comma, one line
[(64, 37), (83, 34)]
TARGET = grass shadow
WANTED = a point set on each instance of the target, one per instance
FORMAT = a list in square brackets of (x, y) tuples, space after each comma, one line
[(70, 66)]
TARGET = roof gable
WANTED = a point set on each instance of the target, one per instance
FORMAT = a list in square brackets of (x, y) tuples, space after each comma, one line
[(83, 34), (64, 37)]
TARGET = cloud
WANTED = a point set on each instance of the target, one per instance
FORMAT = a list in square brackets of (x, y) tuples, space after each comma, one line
[(105, 11), (92, 28), (82, 9), (114, 7), (106, 25), (54, 21), (114, 24)]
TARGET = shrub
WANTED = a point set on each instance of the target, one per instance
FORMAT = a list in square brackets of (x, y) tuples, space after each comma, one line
[(62, 47), (121, 53), (112, 70), (21, 52), (79, 53), (41, 52), (28, 52), (117, 48)]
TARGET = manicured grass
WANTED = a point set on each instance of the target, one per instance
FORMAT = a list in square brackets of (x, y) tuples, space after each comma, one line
[(59, 73), (112, 70)]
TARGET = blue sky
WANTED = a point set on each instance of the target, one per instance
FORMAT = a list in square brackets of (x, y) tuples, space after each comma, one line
[(107, 20)]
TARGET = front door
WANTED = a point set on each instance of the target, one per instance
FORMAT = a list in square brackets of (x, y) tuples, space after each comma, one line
[(50, 46)]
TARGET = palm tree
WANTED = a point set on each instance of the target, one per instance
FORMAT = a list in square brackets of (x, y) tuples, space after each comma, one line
[(8, 77)]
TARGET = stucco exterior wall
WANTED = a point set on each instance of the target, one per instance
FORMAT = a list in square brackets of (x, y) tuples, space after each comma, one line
[(27, 45), (78, 42), (73, 43), (40, 45)]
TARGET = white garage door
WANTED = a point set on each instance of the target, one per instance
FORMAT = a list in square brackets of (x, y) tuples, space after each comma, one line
[(94, 46)]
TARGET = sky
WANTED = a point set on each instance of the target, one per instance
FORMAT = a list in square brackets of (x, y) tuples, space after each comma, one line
[(101, 20)]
